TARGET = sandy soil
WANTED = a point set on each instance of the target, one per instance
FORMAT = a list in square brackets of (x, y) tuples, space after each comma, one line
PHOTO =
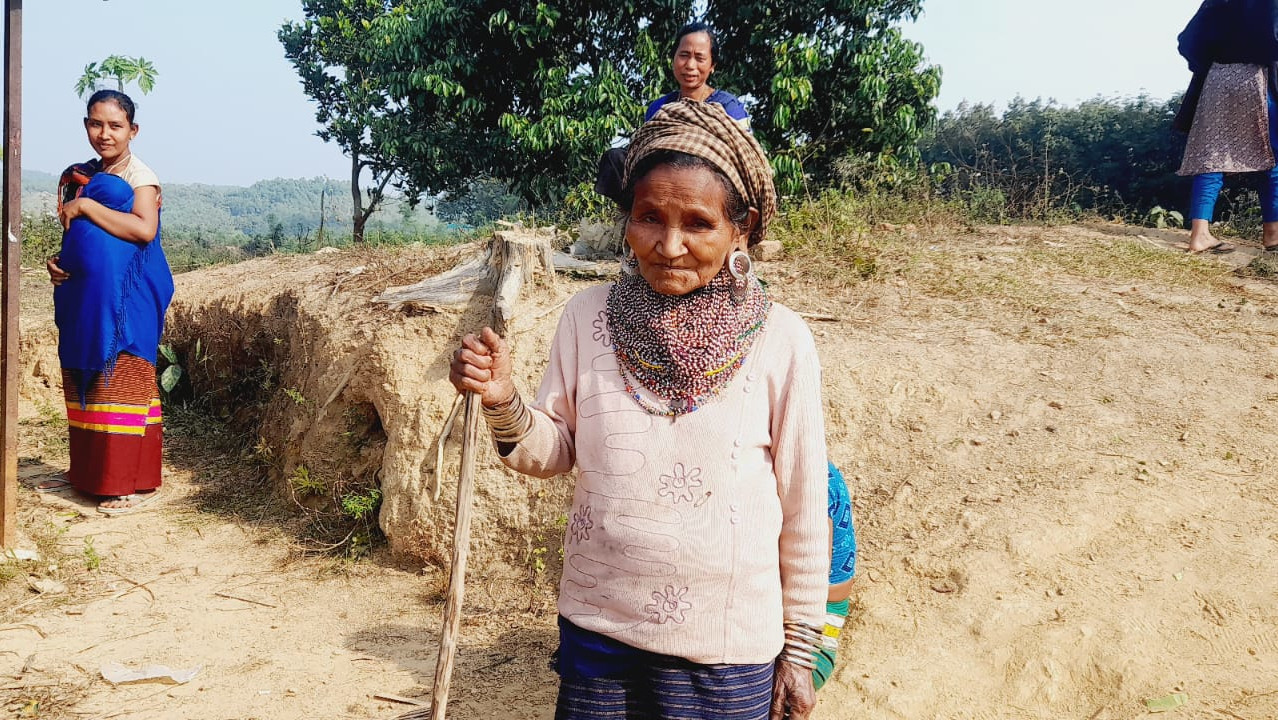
[(1061, 447)]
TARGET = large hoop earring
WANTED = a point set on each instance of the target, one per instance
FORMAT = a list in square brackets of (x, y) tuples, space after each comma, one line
[(741, 268), (629, 263)]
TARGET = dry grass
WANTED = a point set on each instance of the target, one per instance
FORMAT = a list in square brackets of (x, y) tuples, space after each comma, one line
[(1130, 260)]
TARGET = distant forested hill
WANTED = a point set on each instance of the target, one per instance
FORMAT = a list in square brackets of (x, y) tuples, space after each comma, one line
[(233, 213)]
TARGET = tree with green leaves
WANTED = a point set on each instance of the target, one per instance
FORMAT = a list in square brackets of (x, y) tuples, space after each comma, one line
[(1113, 156), (120, 68), (828, 79), (525, 93), (333, 51), (529, 93)]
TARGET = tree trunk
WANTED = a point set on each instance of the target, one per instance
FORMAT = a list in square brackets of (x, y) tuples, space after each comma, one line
[(357, 222), (319, 235)]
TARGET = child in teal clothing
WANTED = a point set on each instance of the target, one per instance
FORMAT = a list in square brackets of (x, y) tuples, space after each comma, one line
[(842, 569)]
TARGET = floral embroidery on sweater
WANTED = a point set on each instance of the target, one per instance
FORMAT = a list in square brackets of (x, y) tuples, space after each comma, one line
[(679, 483), (581, 524), (601, 335), (668, 605)]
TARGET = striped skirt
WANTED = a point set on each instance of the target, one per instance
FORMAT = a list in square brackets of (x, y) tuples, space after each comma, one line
[(117, 434), (600, 677), (670, 690)]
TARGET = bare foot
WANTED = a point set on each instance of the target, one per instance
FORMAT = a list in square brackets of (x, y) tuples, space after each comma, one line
[(1270, 238), (54, 484), (1200, 237)]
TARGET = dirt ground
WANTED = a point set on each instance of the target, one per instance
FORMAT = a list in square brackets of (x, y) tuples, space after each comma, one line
[(1061, 446)]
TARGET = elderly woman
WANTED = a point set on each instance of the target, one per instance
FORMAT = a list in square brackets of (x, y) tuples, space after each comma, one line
[(696, 557)]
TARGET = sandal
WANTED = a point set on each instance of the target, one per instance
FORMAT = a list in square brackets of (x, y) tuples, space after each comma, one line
[(136, 501), (53, 485)]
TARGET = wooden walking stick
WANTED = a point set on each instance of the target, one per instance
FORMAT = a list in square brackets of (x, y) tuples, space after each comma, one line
[(512, 259), (461, 549)]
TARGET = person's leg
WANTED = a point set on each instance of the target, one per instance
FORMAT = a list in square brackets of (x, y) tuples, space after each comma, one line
[(1269, 210), (836, 614), (1202, 206), (1269, 197)]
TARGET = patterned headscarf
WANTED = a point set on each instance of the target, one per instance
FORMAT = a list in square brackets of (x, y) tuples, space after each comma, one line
[(706, 131)]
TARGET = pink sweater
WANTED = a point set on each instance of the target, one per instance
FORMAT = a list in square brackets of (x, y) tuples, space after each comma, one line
[(693, 536)]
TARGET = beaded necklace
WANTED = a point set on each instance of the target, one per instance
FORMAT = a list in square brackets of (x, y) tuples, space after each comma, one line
[(683, 348)]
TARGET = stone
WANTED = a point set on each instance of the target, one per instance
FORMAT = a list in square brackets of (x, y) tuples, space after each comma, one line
[(768, 250)]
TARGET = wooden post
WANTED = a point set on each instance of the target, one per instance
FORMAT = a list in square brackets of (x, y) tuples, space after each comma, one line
[(11, 261), (517, 258), (461, 550)]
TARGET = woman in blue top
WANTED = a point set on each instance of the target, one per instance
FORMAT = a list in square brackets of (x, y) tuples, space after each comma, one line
[(692, 62), (1229, 110)]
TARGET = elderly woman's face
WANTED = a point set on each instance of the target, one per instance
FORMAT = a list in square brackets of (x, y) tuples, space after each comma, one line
[(692, 62), (679, 230)]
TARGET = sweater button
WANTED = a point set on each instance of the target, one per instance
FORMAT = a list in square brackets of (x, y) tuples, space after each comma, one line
[(733, 508), (737, 442), (736, 519), (752, 377), (747, 389), (736, 454)]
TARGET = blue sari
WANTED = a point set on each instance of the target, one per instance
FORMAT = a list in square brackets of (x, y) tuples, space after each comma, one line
[(116, 296)]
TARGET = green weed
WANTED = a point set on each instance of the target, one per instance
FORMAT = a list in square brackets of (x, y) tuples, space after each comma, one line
[(362, 506), (92, 560), (303, 483)]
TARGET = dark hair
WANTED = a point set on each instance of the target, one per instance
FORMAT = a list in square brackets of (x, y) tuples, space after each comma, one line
[(697, 27), (115, 96), (735, 208)]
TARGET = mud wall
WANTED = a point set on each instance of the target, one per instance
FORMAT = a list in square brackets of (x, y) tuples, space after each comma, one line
[(345, 394)]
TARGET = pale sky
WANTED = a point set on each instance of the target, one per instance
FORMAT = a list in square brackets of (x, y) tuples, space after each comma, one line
[(228, 108), (993, 50)]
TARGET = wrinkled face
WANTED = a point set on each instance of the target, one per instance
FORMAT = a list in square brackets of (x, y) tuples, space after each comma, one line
[(692, 62), (109, 130), (678, 228)]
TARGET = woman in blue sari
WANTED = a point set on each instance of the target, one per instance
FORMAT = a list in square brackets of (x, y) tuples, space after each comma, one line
[(112, 289)]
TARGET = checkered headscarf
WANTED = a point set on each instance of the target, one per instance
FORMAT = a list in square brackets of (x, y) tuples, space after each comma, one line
[(706, 131)]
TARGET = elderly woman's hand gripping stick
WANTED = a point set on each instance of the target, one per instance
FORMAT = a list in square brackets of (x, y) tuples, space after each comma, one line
[(482, 365), (793, 693)]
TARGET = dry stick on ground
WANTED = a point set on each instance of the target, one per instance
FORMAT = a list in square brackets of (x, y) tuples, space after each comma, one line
[(399, 699), (111, 640), (229, 596), (24, 626), (134, 585), (818, 317)]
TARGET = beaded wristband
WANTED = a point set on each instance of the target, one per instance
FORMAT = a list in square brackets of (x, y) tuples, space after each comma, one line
[(511, 421)]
